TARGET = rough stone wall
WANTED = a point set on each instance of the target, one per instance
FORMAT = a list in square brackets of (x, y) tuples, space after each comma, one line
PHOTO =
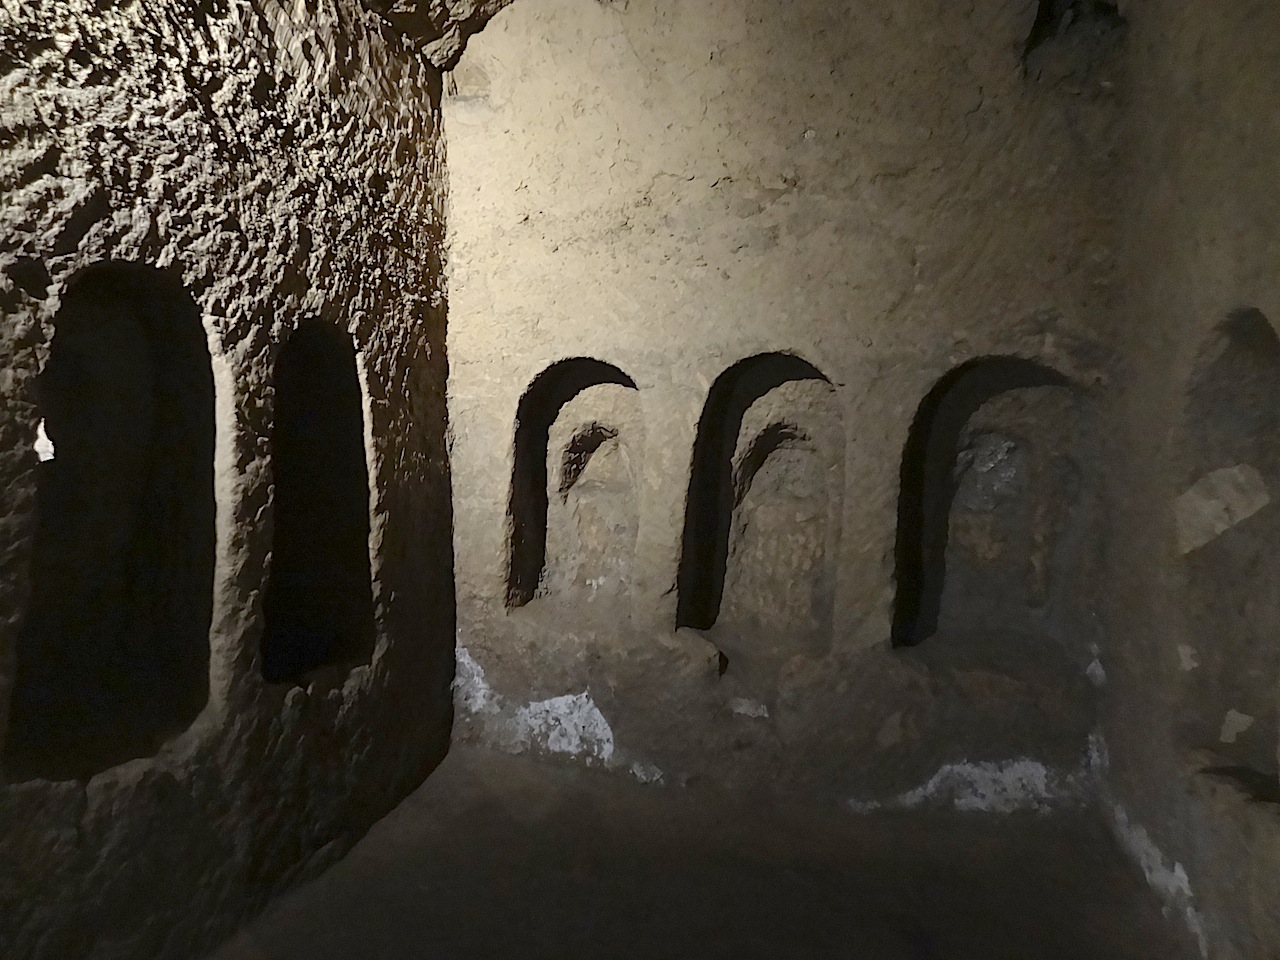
[(882, 191), (281, 162), (1192, 566)]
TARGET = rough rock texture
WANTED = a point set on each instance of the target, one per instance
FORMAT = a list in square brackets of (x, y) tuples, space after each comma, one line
[(439, 28), (866, 196), (1194, 664), (281, 163)]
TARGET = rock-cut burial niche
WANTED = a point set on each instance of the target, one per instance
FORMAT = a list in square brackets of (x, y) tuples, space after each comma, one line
[(788, 478), (1228, 532), (582, 415), (593, 456), (762, 506), (113, 654), (993, 514), (319, 600)]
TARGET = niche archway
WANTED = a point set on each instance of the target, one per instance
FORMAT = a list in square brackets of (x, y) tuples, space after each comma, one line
[(710, 504), (932, 474), (594, 451), (784, 533), (113, 655), (319, 600), (538, 409), (1228, 533)]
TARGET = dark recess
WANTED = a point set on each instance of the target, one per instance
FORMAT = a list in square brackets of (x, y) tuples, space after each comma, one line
[(711, 499), (319, 601), (537, 411), (579, 452), (927, 485), (1054, 18), (113, 656)]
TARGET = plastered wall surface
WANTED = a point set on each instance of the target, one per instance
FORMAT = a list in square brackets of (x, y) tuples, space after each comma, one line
[(882, 191), (282, 164), (1201, 242)]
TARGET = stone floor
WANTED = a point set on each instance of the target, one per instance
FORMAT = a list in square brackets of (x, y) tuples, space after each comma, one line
[(498, 856)]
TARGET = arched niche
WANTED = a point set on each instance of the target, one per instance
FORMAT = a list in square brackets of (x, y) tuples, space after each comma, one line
[(593, 450), (538, 410), (113, 653), (788, 480), (992, 507), (712, 499), (1228, 534), (319, 600)]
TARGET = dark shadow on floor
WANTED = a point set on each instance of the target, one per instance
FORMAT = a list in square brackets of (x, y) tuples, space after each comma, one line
[(498, 857)]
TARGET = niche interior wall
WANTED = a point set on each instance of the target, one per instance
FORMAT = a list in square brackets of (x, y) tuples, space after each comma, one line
[(188, 189), (854, 200)]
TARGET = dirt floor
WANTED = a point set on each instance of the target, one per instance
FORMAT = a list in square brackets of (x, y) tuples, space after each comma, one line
[(498, 856)]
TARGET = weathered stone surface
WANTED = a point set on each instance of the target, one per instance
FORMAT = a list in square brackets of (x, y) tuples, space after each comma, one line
[(673, 189), (440, 28), (1193, 636), (1217, 502), (283, 162)]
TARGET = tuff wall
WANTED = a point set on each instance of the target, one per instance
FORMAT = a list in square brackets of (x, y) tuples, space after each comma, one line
[(1192, 610), (740, 248), (219, 175)]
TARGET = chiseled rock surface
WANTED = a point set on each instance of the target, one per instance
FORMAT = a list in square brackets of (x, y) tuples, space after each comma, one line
[(283, 161), (440, 28)]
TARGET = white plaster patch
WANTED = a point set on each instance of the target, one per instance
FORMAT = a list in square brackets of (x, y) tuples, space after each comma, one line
[(470, 689), (1096, 673), (1188, 657), (1097, 757), (570, 724), (43, 445), (1170, 882), (1217, 502), (1234, 724), (646, 772), (748, 708), (1003, 787)]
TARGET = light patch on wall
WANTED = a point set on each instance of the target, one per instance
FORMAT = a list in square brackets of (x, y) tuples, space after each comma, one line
[(1234, 724), (1188, 657), (570, 724), (749, 708), (646, 772), (43, 445), (989, 787), (1217, 502), (1170, 882), (470, 688)]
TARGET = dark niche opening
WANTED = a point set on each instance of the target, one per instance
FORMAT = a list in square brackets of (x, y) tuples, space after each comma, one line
[(712, 494), (319, 600), (927, 483), (537, 411), (113, 654), (1231, 593)]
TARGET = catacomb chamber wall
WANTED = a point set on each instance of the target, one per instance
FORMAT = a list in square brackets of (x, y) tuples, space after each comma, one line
[(675, 189), (1191, 568), (183, 190)]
